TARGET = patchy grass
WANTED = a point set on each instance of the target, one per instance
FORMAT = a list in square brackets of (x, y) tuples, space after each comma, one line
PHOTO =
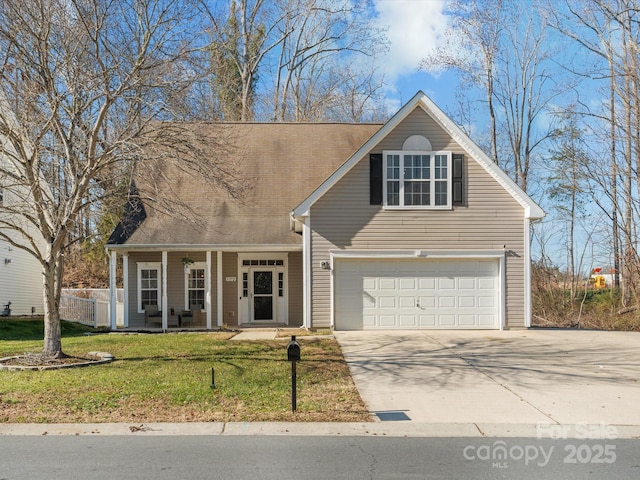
[(165, 378)]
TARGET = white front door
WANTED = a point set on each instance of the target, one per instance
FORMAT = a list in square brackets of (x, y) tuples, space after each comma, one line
[(262, 288)]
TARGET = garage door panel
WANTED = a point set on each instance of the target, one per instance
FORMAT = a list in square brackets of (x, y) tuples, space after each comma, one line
[(388, 284), (407, 320), (388, 320), (466, 284), (427, 302), (408, 302), (387, 302), (446, 302), (466, 320), (487, 320), (486, 302), (416, 293), (466, 302), (446, 283), (447, 320), (369, 283), (369, 321), (427, 320), (407, 283), (486, 283)]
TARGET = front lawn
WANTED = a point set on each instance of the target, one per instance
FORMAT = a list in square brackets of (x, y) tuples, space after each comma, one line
[(167, 378)]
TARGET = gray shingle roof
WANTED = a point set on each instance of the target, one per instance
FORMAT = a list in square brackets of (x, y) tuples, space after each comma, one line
[(278, 164)]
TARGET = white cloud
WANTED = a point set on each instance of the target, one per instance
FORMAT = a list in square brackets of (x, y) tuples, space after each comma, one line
[(414, 28)]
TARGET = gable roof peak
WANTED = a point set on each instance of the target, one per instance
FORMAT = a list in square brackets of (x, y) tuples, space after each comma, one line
[(420, 99)]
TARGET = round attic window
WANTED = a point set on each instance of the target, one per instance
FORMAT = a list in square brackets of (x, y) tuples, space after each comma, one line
[(417, 142)]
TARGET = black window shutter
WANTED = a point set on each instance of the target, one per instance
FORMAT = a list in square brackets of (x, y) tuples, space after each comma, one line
[(457, 180), (375, 179)]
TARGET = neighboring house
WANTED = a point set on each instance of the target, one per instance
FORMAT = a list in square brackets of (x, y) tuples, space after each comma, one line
[(20, 272), (20, 281), (350, 226)]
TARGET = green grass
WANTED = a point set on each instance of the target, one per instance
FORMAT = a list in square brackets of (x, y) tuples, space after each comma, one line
[(167, 377)]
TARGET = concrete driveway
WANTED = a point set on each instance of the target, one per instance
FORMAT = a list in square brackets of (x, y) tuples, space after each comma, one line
[(520, 377)]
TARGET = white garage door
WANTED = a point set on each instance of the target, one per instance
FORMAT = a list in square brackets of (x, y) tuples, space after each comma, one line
[(416, 294)]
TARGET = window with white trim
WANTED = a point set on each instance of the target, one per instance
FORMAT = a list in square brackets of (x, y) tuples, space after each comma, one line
[(195, 285), (417, 179), (149, 285)]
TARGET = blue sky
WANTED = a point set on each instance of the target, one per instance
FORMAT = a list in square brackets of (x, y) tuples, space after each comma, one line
[(414, 28)]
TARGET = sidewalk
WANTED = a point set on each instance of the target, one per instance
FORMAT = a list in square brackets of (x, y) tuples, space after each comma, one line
[(387, 429)]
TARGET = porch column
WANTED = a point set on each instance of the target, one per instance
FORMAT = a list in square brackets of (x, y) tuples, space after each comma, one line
[(219, 287), (164, 290), (207, 289), (113, 314), (125, 289), (306, 272)]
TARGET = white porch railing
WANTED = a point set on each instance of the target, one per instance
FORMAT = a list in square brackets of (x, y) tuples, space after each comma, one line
[(81, 310), (93, 312)]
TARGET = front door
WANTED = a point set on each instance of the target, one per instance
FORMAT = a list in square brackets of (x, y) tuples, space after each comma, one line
[(263, 297)]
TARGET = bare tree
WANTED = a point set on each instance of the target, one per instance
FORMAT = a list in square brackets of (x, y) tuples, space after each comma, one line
[(472, 48), (326, 61), (608, 32), (504, 50), (568, 187), (84, 84), (294, 60)]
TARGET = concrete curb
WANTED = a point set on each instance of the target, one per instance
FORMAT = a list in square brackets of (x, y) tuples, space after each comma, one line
[(389, 429)]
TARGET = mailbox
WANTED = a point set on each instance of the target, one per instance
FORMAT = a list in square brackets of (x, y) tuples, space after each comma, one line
[(293, 350)]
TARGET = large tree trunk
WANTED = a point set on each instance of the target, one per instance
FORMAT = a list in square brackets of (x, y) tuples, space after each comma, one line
[(52, 276)]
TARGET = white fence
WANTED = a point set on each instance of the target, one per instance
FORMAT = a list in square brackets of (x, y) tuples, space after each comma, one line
[(94, 311)]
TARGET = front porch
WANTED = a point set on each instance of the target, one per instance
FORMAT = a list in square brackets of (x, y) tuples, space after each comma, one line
[(167, 290)]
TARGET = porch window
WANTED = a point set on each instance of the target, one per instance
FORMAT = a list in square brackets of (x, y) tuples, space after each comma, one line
[(194, 285), (417, 179), (149, 285)]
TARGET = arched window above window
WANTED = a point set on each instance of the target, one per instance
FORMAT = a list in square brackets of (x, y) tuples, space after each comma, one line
[(417, 143)]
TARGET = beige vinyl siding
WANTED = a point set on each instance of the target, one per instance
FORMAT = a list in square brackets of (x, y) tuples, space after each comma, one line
[(343, 219), (295, 289), (175, 282), (230, 293)]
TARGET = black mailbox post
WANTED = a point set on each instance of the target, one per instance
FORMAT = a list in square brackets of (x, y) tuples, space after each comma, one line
[(293, 350), (293, 355)]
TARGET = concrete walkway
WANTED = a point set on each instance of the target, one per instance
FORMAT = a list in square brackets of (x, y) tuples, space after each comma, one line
[(531, 377), (256, 334)]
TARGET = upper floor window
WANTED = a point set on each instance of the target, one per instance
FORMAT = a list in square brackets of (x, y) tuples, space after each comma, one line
[(417, 179)]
